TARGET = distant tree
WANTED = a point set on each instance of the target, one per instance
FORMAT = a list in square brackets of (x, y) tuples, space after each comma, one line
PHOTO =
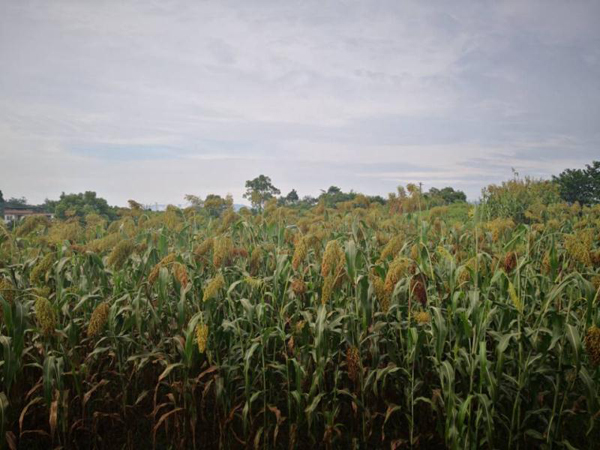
[(194, 201), (13, 201), (446, 196), (308, 201), (334, 195), (259, 190), (290, 199), (80, 205), (1, 197), (580, 185), (292, 196), (376, 199), (215, 205), (1, 204), (135, 205)]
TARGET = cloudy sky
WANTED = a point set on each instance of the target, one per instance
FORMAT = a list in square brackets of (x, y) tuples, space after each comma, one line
[(152, 100)]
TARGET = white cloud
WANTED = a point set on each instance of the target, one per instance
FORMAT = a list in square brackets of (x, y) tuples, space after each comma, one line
[(153, 100)]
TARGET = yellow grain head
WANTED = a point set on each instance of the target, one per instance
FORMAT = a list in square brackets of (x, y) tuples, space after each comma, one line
[(300, 326), (7, 290), (181, 274), (31, 223), (553, 224), (596, 282), (41, 269), (120, 254), (255, 260), (398, 268), (300, 252), (98, 319), (201, 336), (165, 262), (382, 239), (592, 344), (579, 246), (254, 283), (203, 248), (383, 298), (392, 248), (422, 317), (546, 263), (213, 287), (515, 297), (154, 274), (333, 258), (414, 252), (222, 250), (353, 363), (595, 258), (327, 290), (45, 315)]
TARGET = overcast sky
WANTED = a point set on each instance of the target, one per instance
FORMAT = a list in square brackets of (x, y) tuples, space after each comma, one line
[(152, 100)]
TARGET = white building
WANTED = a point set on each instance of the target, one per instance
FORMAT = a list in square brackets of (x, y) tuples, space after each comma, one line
[(15, 215)]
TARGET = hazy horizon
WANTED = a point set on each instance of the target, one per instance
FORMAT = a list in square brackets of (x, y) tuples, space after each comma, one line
[(155, 100)]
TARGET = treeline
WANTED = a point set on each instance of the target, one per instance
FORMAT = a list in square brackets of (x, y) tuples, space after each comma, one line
[(259, 192), (513, 198)]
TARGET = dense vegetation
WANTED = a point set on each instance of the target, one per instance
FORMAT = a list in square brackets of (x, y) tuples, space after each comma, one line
[(364, 325), (580, 185)]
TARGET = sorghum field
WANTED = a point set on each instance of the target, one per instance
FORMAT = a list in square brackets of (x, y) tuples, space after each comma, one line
[(364, 326)]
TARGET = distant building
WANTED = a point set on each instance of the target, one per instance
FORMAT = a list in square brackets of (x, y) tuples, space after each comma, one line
[(17, 214)]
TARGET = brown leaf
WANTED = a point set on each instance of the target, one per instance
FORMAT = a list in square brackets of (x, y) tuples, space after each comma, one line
[(211, 369), (11, 440), (24, 412), (89, 393), (53, 417), (161, 420)]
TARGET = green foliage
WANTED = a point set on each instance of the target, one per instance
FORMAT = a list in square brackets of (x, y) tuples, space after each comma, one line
[(215, 205), (15, 202), (259, 190), (347, 327), (513, 198), (80, 205), (292, 196), (334, 195), (445, 196), (580, 185)]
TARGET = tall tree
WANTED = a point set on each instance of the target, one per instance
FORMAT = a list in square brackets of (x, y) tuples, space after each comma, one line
[(14, 201), (447, 195), (580, 185), (135, 205), (292, 196), (71, 205), (215, 205), (259, 190), (194, 201)]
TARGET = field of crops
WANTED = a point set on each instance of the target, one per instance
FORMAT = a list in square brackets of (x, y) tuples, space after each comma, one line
[(355, 326)]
